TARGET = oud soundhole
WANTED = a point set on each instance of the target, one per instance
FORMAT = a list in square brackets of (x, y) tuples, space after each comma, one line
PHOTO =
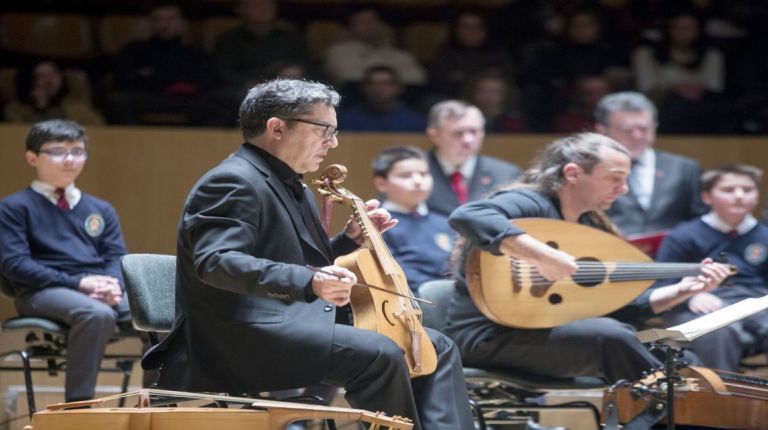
[(555, 299), (552, 244), (592, 272)]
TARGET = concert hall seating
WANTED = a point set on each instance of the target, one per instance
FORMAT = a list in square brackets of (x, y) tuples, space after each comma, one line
[(47, 35)]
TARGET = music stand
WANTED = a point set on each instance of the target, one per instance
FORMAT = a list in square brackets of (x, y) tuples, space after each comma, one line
[(670, 340)]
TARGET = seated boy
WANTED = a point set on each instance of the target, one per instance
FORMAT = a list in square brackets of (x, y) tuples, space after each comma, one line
[(731, 234), (422, 240), (60, 249)]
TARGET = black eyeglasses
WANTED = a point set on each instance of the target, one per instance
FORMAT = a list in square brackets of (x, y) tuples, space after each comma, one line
[(329, 131)]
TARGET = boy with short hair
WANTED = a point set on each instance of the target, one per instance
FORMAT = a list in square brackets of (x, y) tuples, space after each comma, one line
[(728, 232), (422, 240), (60, 249)]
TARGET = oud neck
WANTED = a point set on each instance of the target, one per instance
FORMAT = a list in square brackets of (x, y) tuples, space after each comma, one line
[(646, 271), (373, 238)]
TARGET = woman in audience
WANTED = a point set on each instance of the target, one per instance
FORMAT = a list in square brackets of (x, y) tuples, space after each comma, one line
[(684, 74), (43, 93), (469, 51)]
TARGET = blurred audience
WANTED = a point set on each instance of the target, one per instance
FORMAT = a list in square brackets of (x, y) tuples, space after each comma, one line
[(497, 100), (381, 107), (584, 94), (43, 93), (162, 73), (469, 51), (369, 44), (243, 55), (686, 76)]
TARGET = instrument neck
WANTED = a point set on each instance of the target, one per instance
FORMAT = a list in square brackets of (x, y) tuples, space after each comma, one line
[(645, 271)]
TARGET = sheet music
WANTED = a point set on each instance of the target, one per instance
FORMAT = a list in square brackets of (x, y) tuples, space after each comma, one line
[(710, 322)]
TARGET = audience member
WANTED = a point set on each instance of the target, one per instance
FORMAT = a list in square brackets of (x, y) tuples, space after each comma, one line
[(497, 100), (382, 107), (460, 173), (162, 73), (578, 50), (584, 95), (728, 233), (663, 187), (243, 55), (422, 240), (369, 45), (573, 179), (686, 76), (60, 249), (470, 51), (43, 93)]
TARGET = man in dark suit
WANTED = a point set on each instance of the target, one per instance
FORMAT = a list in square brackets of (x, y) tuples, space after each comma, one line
[(250, 315), (457, 130), (663, 187)]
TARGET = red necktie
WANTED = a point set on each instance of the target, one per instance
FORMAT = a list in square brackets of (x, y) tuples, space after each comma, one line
[(61, 200), (459, 187)]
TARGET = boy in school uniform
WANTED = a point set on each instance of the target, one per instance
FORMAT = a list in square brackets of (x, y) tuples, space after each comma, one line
[(60, 249), (422, 240), (731, 234)]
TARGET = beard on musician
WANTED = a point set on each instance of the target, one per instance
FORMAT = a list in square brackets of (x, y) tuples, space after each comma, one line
[(261, 303), (573, 179)]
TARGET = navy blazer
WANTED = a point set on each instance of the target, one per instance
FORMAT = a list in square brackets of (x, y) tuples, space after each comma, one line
[(489, 173), (676, 197), (245, 321)]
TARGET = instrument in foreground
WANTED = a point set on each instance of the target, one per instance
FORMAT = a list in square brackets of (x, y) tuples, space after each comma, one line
[(704, 397), (396, 316), (611, 273), (244, 414)]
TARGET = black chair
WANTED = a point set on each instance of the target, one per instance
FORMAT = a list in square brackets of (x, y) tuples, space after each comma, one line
[(495, 389), (46, 349)]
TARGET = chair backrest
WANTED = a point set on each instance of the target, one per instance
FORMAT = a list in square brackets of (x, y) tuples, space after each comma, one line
[(116, 30), (150, 282), (47, 35), (438, 292)]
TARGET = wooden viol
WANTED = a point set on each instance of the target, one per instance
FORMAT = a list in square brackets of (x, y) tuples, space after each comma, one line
[(397, 315)]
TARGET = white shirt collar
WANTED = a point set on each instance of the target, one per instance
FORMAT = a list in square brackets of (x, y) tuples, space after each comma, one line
[(394, 207), (713, 220), (467, 169), (71, 192)]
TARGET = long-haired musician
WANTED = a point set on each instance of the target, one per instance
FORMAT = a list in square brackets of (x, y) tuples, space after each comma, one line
[(573, 179)]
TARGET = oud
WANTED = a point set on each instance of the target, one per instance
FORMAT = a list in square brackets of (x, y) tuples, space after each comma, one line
[(611, 273), (388, 309)]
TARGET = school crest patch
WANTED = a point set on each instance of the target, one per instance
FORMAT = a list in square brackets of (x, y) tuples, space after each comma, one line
[(755, 253), (443, 241), (94, 225)]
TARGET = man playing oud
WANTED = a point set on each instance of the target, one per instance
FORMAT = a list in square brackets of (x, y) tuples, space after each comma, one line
[(573, 179)]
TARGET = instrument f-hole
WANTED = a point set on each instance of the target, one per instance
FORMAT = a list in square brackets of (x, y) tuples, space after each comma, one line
[(385, 313)]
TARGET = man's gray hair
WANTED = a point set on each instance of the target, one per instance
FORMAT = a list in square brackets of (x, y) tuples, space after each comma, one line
[(282, 98), (631, 101), (450, 109)]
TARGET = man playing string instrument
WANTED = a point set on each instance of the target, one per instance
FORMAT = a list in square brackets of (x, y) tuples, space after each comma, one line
[(251, 316), (573, 179)]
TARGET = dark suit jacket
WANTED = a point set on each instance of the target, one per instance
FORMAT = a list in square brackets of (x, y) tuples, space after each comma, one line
[(489, 173), (244, 320), (675, 198)]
